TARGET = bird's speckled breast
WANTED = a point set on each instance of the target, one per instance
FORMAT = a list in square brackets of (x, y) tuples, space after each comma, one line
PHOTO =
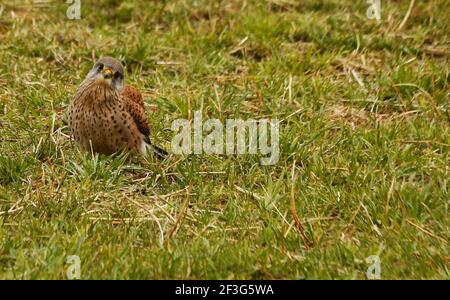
[(99, 120)]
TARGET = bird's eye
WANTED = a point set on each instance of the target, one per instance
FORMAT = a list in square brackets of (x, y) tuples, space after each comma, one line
[(100, 67)]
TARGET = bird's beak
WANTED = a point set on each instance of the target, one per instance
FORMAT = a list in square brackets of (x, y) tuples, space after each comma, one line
[(107, 73)]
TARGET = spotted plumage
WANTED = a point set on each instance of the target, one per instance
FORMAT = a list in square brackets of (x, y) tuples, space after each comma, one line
[(107, 117)]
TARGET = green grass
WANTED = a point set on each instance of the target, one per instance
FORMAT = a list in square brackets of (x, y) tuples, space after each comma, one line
[(371, 160)]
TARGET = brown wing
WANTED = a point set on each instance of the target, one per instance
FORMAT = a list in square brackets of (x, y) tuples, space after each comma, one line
[(135, 106)]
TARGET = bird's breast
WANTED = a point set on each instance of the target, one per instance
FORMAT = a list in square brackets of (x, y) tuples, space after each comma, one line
[(101, 122)]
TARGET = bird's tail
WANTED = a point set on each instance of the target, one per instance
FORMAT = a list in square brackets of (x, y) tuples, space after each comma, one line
[(160, 153)]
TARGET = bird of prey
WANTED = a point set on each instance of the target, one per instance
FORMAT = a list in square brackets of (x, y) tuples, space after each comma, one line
[(107, 116)]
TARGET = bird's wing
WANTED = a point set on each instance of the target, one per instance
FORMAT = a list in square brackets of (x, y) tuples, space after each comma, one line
[(135, 106)]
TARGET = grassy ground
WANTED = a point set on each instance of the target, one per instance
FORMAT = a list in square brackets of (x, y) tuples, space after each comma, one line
[(364, 141)]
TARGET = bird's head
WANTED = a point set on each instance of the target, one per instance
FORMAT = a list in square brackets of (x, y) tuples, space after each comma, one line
[(109, 72)]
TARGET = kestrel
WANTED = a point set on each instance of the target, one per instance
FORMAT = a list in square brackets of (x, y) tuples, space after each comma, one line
[(106, 116)]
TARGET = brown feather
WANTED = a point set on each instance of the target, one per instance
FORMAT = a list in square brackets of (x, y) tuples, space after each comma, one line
[(99, 120), (135, 106)]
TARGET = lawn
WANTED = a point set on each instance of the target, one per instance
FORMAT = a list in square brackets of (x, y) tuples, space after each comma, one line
[(363, 171)]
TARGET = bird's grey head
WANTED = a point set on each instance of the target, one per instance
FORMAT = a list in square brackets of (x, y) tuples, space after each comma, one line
[(109, 71)]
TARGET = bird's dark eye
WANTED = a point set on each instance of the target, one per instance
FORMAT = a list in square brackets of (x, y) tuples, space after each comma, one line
[(100, 67)]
